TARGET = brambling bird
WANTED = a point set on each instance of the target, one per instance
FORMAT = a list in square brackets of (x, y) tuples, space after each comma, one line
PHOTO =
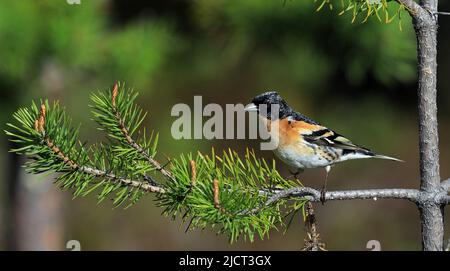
[(304, 143)]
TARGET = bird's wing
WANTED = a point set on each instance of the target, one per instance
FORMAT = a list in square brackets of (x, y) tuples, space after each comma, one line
[(326, 137)]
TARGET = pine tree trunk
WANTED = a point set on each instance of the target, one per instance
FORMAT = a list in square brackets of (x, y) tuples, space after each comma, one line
[(431, 213)]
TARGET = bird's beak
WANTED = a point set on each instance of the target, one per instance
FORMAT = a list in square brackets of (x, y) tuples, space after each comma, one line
[(251, 107)]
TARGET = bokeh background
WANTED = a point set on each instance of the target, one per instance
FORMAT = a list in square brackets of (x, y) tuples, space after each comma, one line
[(359, 79)]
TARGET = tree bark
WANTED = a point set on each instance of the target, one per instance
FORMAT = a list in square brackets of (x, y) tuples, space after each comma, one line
[(431, 214)]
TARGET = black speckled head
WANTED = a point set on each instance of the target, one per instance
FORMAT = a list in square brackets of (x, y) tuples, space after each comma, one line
[(267, 99)]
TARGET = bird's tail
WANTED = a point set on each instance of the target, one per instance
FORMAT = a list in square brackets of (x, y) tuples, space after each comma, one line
[(387, 157)]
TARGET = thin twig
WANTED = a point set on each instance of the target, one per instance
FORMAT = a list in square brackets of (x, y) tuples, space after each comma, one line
[(312, 240), (100, 173), (445, 200), (413, 8), (133, 183), (314, 195), (446, 185), (132, 142), (40, 127)]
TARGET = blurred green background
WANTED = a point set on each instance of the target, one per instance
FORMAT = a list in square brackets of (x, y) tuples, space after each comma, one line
[(359, 79)]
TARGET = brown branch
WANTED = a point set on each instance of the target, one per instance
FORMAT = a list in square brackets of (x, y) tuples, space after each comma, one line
[(57, 151), (145, 186)]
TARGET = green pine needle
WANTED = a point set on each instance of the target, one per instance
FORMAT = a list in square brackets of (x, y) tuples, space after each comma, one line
[(123, 169), (362, 10)]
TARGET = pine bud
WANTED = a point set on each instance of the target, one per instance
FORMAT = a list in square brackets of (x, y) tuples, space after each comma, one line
[(36, 125), (194, 173), (41, 123), (43, 110), (216, 193), (115, 91)]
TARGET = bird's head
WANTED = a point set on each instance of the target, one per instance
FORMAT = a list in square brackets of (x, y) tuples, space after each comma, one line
[(263, 104)]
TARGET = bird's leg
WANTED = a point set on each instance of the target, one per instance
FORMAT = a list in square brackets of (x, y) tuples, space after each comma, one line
[(324, 188)]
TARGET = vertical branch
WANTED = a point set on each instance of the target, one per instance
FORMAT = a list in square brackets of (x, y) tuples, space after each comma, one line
[(425, 25), (312, 241), (426, 31)]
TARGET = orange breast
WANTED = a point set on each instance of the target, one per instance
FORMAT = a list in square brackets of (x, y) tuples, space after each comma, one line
[(289, 132), (295, 128)]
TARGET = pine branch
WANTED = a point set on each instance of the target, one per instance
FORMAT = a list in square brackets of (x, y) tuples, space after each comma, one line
[(119, 116), (126, 134), (99, 173), (213, 190), (39, 126), (119, 170), (52, 145), (239, 196)]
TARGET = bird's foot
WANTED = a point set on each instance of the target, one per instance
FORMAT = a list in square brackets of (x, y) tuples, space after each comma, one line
[(295, 173), (323, 192)]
